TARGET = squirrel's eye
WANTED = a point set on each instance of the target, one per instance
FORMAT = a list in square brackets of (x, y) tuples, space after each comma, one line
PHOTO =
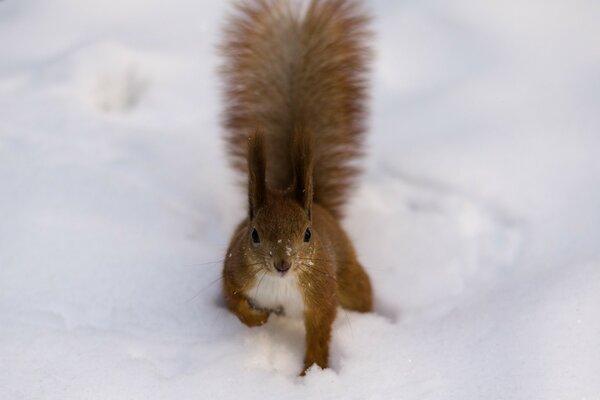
[(255, 237), (307, 235)]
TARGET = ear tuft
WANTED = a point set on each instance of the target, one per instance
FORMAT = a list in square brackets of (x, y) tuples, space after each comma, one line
[(302, 162), (257, 188)]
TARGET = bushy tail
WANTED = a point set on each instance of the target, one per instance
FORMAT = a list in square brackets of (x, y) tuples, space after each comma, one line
[(289, 68)]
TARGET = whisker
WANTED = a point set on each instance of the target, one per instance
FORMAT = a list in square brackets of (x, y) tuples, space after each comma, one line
[(204, 288), (339, 262), (220, 278), (260, 281), (249, 279), (205, 263), (307, 268)]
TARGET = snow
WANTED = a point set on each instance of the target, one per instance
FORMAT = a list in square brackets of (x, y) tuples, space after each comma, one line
[(477, 216)]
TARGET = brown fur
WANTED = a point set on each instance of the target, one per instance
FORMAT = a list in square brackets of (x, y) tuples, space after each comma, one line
[(296, 80)]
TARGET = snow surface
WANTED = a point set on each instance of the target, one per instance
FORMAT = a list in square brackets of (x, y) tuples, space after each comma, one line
[(477, 217)]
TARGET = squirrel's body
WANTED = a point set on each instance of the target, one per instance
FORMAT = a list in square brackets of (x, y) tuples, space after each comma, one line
[(295, 92)]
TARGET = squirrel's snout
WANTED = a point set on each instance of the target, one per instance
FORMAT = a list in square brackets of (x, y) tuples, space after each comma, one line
[(282, 266)]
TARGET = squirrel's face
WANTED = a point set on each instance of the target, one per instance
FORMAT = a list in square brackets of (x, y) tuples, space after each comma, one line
[(279, 236)]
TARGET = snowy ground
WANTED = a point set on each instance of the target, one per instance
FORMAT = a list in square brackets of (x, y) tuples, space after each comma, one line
[(477, 217)]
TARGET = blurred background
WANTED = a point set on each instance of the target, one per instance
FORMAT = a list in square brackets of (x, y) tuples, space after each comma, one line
[(477, 216)]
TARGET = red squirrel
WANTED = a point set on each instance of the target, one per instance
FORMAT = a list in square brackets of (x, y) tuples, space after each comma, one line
[(295, 89)]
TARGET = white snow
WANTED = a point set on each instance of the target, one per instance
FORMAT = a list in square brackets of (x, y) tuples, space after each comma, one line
[(477, 216)]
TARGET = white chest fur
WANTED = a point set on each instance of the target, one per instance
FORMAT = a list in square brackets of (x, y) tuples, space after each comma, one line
[(275, 292)]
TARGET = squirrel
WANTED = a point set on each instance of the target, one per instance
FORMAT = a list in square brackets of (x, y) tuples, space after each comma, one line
[(295, 83)]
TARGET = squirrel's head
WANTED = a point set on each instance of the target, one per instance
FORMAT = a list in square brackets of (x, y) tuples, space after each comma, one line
[(279, 235)]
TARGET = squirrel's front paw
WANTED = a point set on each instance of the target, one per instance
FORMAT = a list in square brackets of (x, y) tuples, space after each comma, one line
[(253, 317)]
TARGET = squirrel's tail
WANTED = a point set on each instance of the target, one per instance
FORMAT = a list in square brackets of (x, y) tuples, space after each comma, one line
[(290, 69)]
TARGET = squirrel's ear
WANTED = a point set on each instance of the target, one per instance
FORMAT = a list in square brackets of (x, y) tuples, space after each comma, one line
[(257, 189), (302, 161)]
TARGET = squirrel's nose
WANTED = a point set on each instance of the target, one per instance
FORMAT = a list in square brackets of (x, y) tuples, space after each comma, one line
[(282, 266)]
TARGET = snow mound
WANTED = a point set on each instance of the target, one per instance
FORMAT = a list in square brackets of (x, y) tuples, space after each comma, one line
[(474, 243), (116, 83)]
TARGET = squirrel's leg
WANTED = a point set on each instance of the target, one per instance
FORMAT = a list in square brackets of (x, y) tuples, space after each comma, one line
[(318, 320), (354, 287), (238, 304)]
